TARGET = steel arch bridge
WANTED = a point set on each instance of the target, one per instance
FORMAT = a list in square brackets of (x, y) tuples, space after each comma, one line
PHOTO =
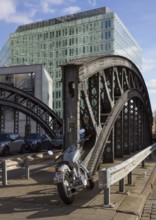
[(32, 107), (108, 97)]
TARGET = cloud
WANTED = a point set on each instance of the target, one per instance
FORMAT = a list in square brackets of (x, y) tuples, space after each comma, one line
[(71, 9), (23, 12), (151, 84), (9, 14), (149, 73), (149, 61), (46, 7), (149, 64), (92, 2), (54, 2)]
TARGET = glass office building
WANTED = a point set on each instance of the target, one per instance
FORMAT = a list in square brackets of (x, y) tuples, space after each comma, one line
[(55, 41)]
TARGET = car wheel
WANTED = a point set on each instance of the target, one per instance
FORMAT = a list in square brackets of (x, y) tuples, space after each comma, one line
[(38, 148), (60, 146), (6, 151), (22, 151)]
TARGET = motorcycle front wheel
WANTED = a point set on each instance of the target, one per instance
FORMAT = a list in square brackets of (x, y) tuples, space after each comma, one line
[(65, 190)]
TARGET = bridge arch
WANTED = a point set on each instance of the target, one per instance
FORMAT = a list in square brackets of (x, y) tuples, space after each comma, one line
[(111, 97), (127, 97), (32, 107)]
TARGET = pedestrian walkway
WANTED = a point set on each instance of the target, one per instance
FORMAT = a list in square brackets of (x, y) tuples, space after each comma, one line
[(37, 198)]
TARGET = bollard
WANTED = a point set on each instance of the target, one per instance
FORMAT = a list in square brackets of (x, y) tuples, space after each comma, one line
[(122, 185), (27, 172), (130, 178), (143, 164), (4, 173), (107, 196), (104, 183)]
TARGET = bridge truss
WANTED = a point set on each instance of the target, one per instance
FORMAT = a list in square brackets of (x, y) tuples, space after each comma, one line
[(30, 106), (108, 97)]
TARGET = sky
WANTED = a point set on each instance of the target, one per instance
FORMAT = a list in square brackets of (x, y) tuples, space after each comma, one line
[(138, 16)]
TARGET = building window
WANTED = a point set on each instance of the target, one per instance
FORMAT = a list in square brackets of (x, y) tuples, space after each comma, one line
[(83, 28), (71, 31), (64, 43), (79, 29), (65, 32), (91, 49), (77, 51), (45, 36), (52, 34), (107, 23), (90, 27), (84, 39), (108, 35), (58, 33), (51, 54)]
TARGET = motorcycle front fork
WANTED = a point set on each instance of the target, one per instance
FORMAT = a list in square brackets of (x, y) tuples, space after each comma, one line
[(80, 179)]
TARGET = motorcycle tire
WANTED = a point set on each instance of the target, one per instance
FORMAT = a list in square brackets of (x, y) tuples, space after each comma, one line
[(90, 183), (64, 189)]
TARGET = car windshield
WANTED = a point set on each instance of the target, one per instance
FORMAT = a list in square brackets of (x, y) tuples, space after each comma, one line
[(33, 136), (4, 137)]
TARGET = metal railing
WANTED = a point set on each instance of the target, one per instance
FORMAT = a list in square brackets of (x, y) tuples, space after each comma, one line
[(21, 161), (109, 176)]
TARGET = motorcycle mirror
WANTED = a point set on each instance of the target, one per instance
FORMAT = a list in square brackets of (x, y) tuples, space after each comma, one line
[(50, 152), (82, 131)]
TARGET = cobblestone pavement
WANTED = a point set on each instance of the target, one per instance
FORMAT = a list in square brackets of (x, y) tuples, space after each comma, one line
[(149, 211)]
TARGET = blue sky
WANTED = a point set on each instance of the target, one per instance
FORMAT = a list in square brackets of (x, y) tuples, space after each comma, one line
[(138, 15)]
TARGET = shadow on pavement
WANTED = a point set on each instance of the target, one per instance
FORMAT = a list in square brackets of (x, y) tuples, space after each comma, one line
[(38, 198)]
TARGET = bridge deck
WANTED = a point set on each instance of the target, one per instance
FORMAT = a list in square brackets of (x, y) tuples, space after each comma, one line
[(37, 197)]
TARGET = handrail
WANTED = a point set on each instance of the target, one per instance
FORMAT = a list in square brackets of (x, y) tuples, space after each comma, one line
[(109, 176)]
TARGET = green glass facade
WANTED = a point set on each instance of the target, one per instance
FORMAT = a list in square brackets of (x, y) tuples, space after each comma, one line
[(54, 42), (5, 54)]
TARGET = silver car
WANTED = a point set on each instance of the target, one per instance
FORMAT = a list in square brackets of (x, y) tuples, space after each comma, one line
[(11, 143)]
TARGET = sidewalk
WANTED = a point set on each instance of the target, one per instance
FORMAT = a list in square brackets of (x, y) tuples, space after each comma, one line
[(37, 197)]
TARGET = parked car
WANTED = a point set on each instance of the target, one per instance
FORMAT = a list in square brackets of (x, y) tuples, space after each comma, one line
[(36, 142), (57, 141), (11, 143)]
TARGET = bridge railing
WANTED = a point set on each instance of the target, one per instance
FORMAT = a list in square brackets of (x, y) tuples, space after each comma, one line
[(21, 161), (109, 176)]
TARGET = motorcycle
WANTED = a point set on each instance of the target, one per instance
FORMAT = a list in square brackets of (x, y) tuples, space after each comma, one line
[(70, 174)]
